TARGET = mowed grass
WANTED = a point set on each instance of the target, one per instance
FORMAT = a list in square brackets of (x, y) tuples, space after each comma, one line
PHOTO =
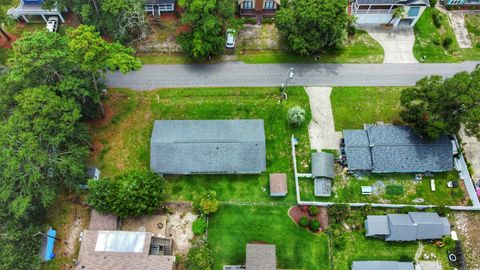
[(360, 248), (361, 48), (232, 227), (354, 106), (125, 140), (425, 50)]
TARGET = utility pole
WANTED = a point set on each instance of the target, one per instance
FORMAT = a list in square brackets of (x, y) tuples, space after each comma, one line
[(288, 77)]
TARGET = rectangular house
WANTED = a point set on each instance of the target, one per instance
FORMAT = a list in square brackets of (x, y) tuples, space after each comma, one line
[(258, 8), (29, 9), (156, 7), (375, 12), (208, 147), (395, 149)]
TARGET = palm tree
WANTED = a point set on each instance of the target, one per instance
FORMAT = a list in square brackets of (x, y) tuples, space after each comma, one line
[(397, 13)]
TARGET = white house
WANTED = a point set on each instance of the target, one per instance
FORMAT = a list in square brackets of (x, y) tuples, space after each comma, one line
[(371, 12)]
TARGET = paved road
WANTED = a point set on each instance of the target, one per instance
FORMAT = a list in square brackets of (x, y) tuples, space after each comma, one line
[(240, 74)]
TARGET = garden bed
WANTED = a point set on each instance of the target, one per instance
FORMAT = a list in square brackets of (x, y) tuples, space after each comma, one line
[(299, 211)]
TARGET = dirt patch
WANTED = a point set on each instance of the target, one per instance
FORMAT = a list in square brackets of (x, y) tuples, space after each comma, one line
[(179, 228), (466, 225), (5, 43), (163, 38), (254, 37), (296, 212)]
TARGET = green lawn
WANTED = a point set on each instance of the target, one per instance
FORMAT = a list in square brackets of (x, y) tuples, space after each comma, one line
[(354, 106), (425, 35), (348, 189), (126, 139), (360, 49), (360, 248), (232, 227)]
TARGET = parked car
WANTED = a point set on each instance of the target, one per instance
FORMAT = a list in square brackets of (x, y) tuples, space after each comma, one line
[(52, 24), (230, 43)]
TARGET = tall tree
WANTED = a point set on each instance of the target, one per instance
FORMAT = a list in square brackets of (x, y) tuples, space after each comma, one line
[(43, 148), (311, 26), (438, 106), (207, 20)]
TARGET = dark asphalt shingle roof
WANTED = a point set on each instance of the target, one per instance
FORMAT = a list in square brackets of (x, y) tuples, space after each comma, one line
[(261, 257), (388, 148), (208, 146), (382, 265), (322, 165)]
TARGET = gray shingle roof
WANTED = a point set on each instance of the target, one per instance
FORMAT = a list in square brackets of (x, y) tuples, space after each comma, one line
[(261, 257), (208, 146), (377, 225), (387, 148), (408, 227), (322, 165), (382, 265), (323, 187)]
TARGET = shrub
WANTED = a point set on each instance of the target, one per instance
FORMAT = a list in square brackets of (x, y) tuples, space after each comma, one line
[(394, 190), (477, 45), (268, 20), (250, 20), (205, 202), (199, 258), (437, 40), (408, 209), (447, 41), (313, 210), (296, 116), (351, 25), (338, 213), (433, 3), (442, 210), (437, 18), (303, 222), (338, 237), (133, 193), (199, 226), (405, 258), (314, 225)]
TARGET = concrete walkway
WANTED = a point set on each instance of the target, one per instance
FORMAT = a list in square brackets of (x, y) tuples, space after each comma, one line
[(471, 148), (397, 43), (457, 21), (322, 128)]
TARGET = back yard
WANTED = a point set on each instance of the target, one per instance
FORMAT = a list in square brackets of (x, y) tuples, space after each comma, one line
[(430, 44), (122, 141), (233, 227)]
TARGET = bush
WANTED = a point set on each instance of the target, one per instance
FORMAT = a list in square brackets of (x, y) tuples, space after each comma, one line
[(313, 210), (394, 190), (199, 258), (338, 213), (437, 18), (303, 222), (442, 210), (250, 20), (133, 193), (351, 25), (314, 225), (407, 209), (433, 3), (405, 258), (437, 40), (447, 41), (338, 237), (205, 202), (268, 20), (199, 226), (296, 116)]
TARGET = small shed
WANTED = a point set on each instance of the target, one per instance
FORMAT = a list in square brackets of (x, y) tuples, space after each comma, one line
[(366, 190), (278, 184), (323, 173)]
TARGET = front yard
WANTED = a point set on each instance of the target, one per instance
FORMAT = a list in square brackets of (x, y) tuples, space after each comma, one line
[(428, 41), (232, 227), (122, 141)]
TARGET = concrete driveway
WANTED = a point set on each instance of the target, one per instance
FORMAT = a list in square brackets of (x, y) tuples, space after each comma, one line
[(397, 43), (461, 33), (321, 129)]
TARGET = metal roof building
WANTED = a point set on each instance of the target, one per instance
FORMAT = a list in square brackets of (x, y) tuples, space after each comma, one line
[(395, 149), (323, 173), (407, 227), (208, 147), (382, 265)]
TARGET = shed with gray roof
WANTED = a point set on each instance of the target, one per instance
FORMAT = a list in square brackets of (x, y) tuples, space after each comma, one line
[(261, 257), (208, 147), (407, 227), (396, 149), (382, 265), (323, 173)]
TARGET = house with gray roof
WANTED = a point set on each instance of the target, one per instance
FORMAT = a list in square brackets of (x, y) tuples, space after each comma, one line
[(208, 147), (395, 149), (259, 257), (376, 12), (382, 265), (323, 173), (157, 7), (408, 227)]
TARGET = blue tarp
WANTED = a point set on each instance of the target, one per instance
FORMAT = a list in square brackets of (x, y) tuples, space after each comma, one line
[(50, 242)]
